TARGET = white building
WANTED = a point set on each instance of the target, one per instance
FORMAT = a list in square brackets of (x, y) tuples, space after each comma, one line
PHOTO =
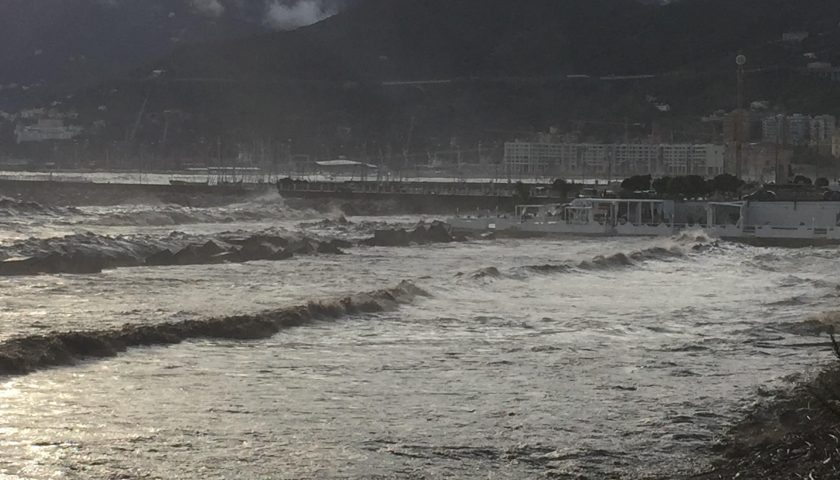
[(593, 160)]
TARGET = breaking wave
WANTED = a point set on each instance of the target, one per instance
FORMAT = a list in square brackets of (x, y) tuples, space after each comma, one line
[(20, 356), (10, 207), (600, 262), (266, 207)]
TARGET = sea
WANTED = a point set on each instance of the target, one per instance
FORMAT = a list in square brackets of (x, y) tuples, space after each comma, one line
[(526, 358)]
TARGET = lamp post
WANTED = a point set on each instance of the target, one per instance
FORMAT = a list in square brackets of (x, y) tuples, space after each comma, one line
[(740, 61)]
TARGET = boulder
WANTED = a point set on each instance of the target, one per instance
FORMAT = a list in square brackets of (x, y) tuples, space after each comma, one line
[(329, 248), (282, 255), (51, 263), (211, 248), (19, 266), (435, 232), (273, 240), (389, 238), (338, 243), (256, 251), (303, 246), (75, 263), (161, 258), (225, 257), (210, 252)]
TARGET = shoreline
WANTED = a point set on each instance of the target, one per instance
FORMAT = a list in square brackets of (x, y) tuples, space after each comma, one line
[(796, 434)]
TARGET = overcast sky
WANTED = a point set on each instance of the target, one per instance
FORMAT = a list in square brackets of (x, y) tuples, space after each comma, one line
[(279, 14)]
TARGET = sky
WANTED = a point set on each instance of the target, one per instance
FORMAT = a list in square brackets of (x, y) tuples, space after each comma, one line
[(277, 14)]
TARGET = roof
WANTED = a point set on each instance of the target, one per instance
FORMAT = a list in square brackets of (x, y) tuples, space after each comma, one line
[(343, 163)]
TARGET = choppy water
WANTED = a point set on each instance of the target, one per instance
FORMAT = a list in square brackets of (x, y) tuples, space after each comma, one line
[(530, 359)]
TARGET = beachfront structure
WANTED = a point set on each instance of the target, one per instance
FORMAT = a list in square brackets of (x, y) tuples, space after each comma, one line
[(596, 160)]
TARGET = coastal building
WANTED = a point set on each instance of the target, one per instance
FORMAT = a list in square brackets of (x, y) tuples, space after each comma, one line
[(835, 144), (762, 162), (773, 129), (822, 132), (798, 129), (594, 160), (741, 124), (824, 70)]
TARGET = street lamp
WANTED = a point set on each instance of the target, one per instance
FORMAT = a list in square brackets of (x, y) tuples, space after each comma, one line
[(740, 61)]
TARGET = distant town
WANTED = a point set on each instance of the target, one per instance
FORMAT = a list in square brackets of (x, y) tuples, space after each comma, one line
[(758, 141), (774, 148)]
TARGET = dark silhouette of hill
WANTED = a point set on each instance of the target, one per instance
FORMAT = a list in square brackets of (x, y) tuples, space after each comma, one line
[(508, 66), (58, 41), (411, 39)]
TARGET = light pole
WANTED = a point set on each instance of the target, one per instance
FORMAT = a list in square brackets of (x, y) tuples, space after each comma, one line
[(740, 61)]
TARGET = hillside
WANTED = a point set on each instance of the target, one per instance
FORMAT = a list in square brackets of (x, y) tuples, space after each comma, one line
[(505, 68), (58, 45)]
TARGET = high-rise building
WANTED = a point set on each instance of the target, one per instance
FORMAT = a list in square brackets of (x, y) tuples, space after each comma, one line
[(603, 161), (822, 131), (798, 129), (773, 129)]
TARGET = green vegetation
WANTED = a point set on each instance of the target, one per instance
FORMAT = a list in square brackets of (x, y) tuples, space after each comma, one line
[(689, 186), (522, 193)]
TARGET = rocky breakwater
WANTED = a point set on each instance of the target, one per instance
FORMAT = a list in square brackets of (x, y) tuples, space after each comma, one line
[(423, 233), (90, 253), (240, 249)]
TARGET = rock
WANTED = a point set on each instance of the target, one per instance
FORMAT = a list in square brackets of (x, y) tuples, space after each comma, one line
[(211, 248), (161, 258), (256, 251), (19, 266), (304, 246), (75, 263), (225, 257), (52, 263), (435, 232), (329, 248), (389, 238), (273, 240), (189, 255), (338, 243), (282, 255)]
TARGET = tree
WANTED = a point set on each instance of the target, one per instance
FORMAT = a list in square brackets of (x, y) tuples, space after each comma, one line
[(522, 193), (802, 180), (821, 182), (725, 183), (561, 187), (637, 183), (662, 185), (688, 186)]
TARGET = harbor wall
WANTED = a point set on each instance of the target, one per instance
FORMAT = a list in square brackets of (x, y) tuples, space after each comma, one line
[(89, 193)]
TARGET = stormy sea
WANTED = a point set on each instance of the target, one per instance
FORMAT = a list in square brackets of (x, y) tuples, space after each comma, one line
[(257, 340)]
